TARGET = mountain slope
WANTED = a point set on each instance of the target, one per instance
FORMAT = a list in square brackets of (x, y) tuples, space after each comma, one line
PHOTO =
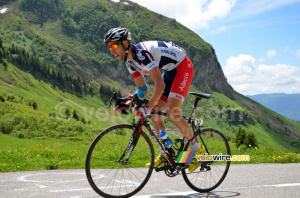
[(65, 38), (91, 19), (285, 104)]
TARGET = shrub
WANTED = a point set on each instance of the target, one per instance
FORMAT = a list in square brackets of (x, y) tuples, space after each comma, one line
[(4, 61), (2, 99), (33, 104), (6, 127), (10, 98), (243, 138)]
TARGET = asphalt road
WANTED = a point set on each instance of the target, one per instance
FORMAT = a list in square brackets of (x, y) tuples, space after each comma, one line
[(254, 180)]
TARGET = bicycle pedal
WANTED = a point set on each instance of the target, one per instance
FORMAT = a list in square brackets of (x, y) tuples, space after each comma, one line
[(158, 169), (183, 166)]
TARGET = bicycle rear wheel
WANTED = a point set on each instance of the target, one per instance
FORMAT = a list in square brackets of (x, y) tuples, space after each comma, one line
[(210, 173), (106, 174)]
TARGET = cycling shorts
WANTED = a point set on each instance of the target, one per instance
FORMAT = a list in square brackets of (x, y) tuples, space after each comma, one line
[(178, 81)]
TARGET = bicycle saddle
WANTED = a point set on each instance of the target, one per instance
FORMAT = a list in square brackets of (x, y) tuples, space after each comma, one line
[(201, 95)]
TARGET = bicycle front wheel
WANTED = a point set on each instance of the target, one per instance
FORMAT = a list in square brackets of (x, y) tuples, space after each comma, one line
[(211, 172), (109, 176)]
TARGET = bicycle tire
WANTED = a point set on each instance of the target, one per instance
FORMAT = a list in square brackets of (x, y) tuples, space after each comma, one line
[(209, 175), (110, 178)]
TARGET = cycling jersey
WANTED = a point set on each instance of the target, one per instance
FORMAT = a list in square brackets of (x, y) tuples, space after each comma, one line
[(177, 69), (149, 54)]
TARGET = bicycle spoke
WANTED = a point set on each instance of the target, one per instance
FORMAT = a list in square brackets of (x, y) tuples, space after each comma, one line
[(212, 173), (112, 178)]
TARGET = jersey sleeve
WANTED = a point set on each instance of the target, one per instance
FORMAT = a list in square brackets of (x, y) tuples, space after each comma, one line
[(134, 73)]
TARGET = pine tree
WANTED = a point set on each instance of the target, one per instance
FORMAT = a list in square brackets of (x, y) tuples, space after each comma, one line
[(1, 44), (67, 113), (2, 99), (239, 136), (1, 54), (250, 140), (75, 115), (34, 105)]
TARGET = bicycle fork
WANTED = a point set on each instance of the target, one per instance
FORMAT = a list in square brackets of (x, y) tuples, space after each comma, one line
[(132, 143)]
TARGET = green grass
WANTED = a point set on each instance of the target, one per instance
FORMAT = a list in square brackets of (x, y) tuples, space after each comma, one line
[(31, 154), (63, 153), (266, 155)]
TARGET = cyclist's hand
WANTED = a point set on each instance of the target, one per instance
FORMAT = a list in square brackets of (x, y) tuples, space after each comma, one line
[(117, 110), (129, 96), (143, 112), (124, 106)]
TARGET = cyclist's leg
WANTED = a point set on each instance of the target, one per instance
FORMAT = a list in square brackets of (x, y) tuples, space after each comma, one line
[(179, 90), (173, 113), (176, 118), (158, 124), (181, 79), (158, 120)]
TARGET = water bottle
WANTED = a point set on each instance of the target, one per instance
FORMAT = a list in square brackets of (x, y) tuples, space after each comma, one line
[(164, 136)]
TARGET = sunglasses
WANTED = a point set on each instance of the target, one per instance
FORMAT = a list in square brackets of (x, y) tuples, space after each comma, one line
[(114, 46)]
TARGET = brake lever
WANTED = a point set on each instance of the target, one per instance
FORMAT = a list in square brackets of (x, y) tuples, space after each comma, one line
[(113, 97), (138, 102)]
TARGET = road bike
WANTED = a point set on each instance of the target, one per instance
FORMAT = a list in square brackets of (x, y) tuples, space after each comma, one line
[(115, 162)]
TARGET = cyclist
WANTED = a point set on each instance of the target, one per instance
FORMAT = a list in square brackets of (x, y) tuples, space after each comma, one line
[(170, 88)]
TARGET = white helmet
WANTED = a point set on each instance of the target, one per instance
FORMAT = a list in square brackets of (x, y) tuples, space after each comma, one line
[(117, 34)]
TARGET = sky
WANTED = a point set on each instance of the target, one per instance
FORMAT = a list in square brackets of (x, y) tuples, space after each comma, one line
[(257, 42)]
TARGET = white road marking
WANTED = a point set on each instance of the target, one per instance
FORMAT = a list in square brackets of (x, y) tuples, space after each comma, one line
[(283, 185), (190, 193), (30, 178), (82, 189), (71, 190), (168, 194), (26, 178), (41, 186)]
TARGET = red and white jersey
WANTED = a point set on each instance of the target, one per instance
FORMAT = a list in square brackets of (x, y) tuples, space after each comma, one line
[(150, 54)]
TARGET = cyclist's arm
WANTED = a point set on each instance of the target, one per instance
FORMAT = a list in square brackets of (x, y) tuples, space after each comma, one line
[(140, 82), (159, 86)]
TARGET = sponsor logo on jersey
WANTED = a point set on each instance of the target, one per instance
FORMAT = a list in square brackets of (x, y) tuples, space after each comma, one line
[(180, 48), (182, 85), (151, 65), (168, 52), (140, 56)]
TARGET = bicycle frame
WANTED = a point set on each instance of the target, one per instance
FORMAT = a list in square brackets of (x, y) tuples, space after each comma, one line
[(144, 122), (135, 137)]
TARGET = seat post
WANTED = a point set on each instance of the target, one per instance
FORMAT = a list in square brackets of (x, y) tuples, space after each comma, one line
[(195, 106)]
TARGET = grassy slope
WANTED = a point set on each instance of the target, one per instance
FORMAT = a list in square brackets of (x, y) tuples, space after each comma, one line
[(279, 128), (46, 142), (22, 84), (48, 151)]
